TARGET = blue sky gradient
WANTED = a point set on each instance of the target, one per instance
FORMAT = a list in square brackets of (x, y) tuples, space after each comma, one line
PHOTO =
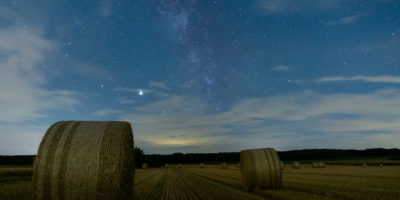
[(204, 76)]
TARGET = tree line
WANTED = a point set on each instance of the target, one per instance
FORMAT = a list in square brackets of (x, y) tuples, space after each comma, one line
[(157, 160)]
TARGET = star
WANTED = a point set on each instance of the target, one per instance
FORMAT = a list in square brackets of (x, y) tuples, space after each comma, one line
[(140, 92)]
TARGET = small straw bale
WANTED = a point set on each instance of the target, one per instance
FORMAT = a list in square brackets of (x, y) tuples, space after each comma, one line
[(223, 166), (365, 165), (260, 169), (201, 165), (296, 165), (144, 166), (314, 165), (321, 165), (282, 165), (381, 165), (85, 160), (166, 165)]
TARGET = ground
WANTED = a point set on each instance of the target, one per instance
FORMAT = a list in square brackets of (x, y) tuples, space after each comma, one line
[(212, 182)]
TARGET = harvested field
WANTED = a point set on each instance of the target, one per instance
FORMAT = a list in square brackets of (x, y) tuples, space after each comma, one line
[(192, 182)]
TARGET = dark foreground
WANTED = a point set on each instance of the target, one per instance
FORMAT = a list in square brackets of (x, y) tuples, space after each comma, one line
[(211, 182)]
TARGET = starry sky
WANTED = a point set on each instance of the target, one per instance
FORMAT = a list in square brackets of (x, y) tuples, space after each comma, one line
[(201, 75)]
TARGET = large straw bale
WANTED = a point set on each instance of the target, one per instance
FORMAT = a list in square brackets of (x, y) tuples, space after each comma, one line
[(314, 165), (85, 160), (321, 165), (260, 169)]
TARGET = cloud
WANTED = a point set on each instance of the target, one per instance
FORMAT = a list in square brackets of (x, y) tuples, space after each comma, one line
[(105, 8), (282, 68), (20, 138), (87, 70), (297, 120), (299, 6), (345, 20), (125, 101), (23, 78), (109, 112), (370, 79), (157, 84), (132, 90)]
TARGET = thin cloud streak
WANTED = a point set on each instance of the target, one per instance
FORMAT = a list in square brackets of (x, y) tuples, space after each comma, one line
[(371, 79), (282, 68)]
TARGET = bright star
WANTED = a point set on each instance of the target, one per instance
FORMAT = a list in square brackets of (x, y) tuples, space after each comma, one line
[(141, 92)]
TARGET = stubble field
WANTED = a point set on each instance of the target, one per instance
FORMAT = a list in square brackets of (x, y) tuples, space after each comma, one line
[(212, 182)]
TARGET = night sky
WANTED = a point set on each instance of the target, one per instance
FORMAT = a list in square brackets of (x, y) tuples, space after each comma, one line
[(204, 76)]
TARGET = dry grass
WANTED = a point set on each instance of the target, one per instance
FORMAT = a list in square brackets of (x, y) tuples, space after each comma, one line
[(191, 182)]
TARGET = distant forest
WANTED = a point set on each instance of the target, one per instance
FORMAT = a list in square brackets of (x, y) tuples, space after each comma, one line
[(230, 157)]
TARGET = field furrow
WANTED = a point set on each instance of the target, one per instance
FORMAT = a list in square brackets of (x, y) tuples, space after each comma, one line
[(209, 183)]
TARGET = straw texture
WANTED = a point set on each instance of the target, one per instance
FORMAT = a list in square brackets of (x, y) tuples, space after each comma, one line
[(260, 169), (85, 160)]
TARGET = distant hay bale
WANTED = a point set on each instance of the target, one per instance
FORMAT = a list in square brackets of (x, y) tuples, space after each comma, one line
[(321, 165), (365, 165), (314, 165), (296, 165), (260, 169), (166, 165), (381, 165), (179, 166), (223, 166), (201, 165), (144, 166), (85, 160), (282, 165)]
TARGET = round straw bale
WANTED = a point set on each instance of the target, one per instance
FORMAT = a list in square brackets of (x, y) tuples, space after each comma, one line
[(144, 166), (296, 165), (223, 166), (201, 165), (314, 165), (365, 165), (381, 165), (166, 165), (260, 169), (85, 160), (321, 165)]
